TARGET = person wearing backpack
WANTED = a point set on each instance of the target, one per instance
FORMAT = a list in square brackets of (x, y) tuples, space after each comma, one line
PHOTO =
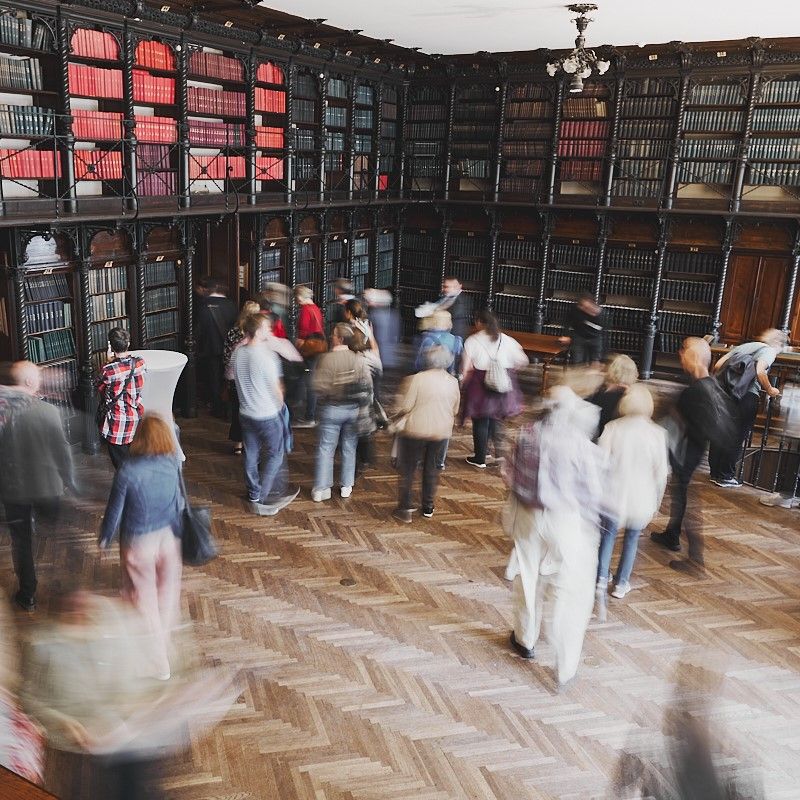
[(743, 374), (491, 390)]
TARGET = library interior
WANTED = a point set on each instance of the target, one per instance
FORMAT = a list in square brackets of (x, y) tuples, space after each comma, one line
[(557, 275)]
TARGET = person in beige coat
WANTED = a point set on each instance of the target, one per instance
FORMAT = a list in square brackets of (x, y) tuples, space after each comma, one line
[(427, 404)]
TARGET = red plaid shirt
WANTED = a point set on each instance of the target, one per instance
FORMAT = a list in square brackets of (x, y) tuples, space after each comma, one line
[(120, 424)]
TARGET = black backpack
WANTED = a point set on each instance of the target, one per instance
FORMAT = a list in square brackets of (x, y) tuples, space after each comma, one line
[(738, 373)]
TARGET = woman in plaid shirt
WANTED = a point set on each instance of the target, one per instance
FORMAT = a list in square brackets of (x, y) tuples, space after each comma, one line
[(120, 390)]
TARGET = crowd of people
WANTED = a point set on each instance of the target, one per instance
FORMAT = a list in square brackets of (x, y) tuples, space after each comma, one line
[(592, 462)]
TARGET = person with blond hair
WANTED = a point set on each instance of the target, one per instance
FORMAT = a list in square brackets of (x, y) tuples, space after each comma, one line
[(145, 507), (234, 339), (637, 464), (620, 373)]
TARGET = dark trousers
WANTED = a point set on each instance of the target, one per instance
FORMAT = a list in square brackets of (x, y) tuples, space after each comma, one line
[(20, 521), (365, 451), (724, 460), (118, 453), (411, 452), (235, 431), (585, 351), (484, 429), (212, 372), (690, 523)]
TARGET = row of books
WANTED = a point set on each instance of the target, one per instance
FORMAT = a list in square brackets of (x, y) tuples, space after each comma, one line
[(157, 184), (624, 341), (363, 119), (640, 169), (210, 102), (591, 171), (215, 65), (530, 187), (20, 73), (539, 149), (426, 169), (416, 259), (51, 346), (270, 138), (60, 380), (584, 130), (631, 260), (154, 55), (669, 342), (430, 149), (646, 129), (108, 279), (529, 109), (94, 44), (427, 94), (584, 148), (304, 140), (644, 148), (304, 111), (512, 275), (159, 272), (476, 111), (476, 92), (365, 95), (708, 148), (336, 87), (474, 168), (385, 244), (650, 87), (161, 298), (574, 255), (515, 305), (22, 31), (336, 117), (684, 323), (474, 149), (426, 130), (270, 101), (775, 148), (108, 306), (216, 167), (334, 162), (305, 85), (717, 94), (636, 187), (624, 317), (688, 291), (558, 312), (100, 331), (468, 246), (269, 168), (729, 121), (780, 91), (361, 246), (98, 165), (584, 108), (773, 175), (519, 249), (216, 134), (692, 263), (28, 163), (267, 72), (426, 113), (534, 169), (566, 281), (47, 287), (88, 81), (471, 130), (776, 119), (149, 88), (97, 125), (706, 172), (156, 129), (306, 271), (46, 316), (527, 130), (627, 285), (306, 168), (423, 242), (528, 91), (648, 107), (26, 120), (362, 143), (160, 323)]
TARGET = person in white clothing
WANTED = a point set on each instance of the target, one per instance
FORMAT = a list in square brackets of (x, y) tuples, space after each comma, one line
[(638, 469), (485, 352)]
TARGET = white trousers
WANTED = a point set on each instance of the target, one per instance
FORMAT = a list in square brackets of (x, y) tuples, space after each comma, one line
[(556, 554)]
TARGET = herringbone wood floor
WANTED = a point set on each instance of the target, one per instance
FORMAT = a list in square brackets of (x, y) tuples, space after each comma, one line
[(375, 656)]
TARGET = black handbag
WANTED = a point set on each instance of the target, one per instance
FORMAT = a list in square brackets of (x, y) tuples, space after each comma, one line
[(197, 542)]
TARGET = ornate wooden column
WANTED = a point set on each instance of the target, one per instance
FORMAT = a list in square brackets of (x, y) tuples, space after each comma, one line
[(547, 230), (651, 329), (250, 100), (743, 153), (398, 249), (64, 130), (292, 230), (374, 235), (291, 73), (494, 235), (188, 232), (17, 277), (446, 225), (350, 137), (451, 110), (401, 139), (128, 122), (500, 126), (613, 145), (378, 138), (551, 178), (731, 230), (322, 82), (675, 157), (602, 241), (791, 289), (184, 199), (86, 382), (139, 295)]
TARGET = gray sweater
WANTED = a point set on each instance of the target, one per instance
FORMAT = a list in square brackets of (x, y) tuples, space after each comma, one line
[(257, 372)]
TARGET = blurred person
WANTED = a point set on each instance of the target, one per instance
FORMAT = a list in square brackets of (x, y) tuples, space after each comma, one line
[(459, 304), (120, 389), (586, 323), (278, 295), (145, 506), (343, 290), (750, 360), (108, 725), (366, 424), (264, 419), (355, 315), (214, 319), (311, 342), (488, 408), (428, 403), (386, 326), (701, 413), (620, 373), (556, 480), (35, 467), (436, 332), (234, 339), (636, 451), (268, 305), (343, 384)]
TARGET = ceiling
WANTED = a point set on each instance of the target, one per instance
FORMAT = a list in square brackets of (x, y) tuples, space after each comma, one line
[(454, 26)]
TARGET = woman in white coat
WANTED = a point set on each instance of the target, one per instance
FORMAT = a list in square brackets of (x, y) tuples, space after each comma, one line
[(638, 469)]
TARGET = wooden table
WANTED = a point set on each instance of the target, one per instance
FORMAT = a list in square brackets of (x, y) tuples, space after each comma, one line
[(545, 347)]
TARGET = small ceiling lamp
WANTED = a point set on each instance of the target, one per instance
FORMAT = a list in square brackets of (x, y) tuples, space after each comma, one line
[(580, 62)]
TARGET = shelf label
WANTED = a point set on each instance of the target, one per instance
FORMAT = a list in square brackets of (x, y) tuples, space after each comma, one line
[(306, 240), (48, 271), (576, 241), (159, 258), (520, 237), (632, 245), (423, 231), (273, 244), (470, 234), (108, 264), (694, 249)]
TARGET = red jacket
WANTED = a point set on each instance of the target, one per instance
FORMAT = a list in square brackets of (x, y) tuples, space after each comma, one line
[(309, 321)]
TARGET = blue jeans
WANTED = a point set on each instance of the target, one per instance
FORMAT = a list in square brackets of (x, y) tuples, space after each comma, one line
[(337, 426), (264, 436), (608, 533)]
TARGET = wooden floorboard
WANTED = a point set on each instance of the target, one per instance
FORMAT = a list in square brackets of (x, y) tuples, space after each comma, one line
[(374, 655)]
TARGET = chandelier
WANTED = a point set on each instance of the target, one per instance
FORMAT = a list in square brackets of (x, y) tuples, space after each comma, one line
[(580, 62)]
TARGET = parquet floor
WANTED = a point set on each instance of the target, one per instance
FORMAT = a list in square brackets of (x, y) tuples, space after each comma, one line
[(374, 655)]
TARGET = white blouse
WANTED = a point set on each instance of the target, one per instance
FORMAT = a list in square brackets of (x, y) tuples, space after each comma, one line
[(480, 350)]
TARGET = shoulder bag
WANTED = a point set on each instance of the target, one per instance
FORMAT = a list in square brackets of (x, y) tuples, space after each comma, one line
[(197, 542), (105, 406), (497, 378)]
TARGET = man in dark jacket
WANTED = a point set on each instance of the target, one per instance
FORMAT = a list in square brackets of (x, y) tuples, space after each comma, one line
[(35, 467), (586, 329), (214, 320), (459, 304)]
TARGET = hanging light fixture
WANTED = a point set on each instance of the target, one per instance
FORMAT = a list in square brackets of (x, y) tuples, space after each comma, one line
[(580, 62)]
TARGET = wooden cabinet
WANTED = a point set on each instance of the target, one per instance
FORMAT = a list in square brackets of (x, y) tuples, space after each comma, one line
[(755, 294)]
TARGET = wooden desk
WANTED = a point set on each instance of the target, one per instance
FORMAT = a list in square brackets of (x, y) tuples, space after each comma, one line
[(12, 787), (543, 346)]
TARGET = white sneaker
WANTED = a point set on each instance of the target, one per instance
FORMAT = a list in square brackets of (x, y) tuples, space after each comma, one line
[(345, 491), (779, 501), (620, 590), (318, 495)]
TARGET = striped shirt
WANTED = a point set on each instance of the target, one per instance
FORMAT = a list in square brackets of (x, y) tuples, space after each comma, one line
[(257, 372)]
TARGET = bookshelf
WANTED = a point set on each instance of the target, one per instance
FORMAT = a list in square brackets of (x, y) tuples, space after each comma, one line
[(583, 141), (271, 256), (270, 124), (570, 273), (338, 245), (517, 280), (648, 116), (420, 277), (425, 137), (161, 326), (474, 140), (384, 259), (527, 141), (366, 119), (339, 125), (305, 122), (469, 260), (388, 158)]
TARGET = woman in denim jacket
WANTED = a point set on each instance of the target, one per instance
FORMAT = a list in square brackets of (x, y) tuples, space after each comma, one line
[(145, 505)]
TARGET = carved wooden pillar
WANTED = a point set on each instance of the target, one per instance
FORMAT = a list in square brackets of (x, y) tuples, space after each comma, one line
[(86, 382), (401, 139), (602, 241), (446, 225), (744, 143), (557, 111), (791, 289), (17, 275), (651, 329), (250, 163), (184, 181), (500, 129), (494, 235), (291, 224), (129, 124), (727, 246), (189, 345), (398, 249), (448, 154), (613, 146), (322, 82), (376, 142), (138, 329), (350, 139), (547, 230), (67, 192), (675, 157), (291, 73)]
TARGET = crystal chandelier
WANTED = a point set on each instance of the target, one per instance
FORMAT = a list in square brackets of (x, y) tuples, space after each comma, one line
[(580, 62)]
